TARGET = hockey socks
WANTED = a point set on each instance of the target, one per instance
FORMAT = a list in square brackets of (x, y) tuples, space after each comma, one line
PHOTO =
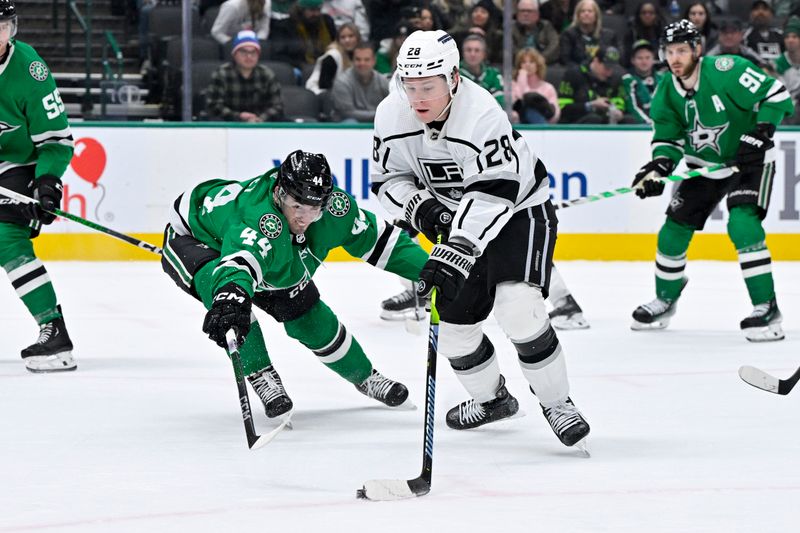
[(673, 241), (322, 333), (747, 234), (27, 274)]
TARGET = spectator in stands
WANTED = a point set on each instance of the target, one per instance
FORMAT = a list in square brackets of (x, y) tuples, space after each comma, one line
[(237, 15), (481, 22), (422, 18), (451, 12), (359, 90), (335, 60), (244, 91), (585, 35), (384, 15), (647, 24), (145, 7), (731, 41), (386, 61), (761, 35), (784, 8), (304, 36), (697, 13), (531, 31), (788, 65), (558, 12), (592, 93), (535, 100), (640, 81), (473, 67), (352, 11)]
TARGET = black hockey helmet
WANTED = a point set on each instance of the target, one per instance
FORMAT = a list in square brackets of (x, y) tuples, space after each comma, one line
[(306, 177), (8, 12), (680, 31)]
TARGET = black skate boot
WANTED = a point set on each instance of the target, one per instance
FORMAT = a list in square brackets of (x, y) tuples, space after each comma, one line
[(402, 306), (764, 323), (383, 389), (52, 351), (567, 422), (471, 414), (656, 314), (267, 384), (567, 314)]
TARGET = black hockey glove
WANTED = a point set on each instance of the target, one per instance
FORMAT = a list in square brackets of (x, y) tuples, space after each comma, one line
[(657, 168), (230, 309), (447, 269), (753, 146), (47, 189), (430, 217)]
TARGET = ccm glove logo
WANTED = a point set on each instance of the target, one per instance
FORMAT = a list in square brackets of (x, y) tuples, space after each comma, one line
[(228, 296)]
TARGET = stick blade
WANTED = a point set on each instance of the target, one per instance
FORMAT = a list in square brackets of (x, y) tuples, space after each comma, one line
[(759, 379), (384, 490), (286, 422)]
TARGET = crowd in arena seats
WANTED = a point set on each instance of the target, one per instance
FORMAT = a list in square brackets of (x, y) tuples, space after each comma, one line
[(574, 61)]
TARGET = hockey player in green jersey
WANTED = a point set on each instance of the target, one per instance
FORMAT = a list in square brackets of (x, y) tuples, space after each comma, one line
[(258, 242), (713, 110), (35, 149)]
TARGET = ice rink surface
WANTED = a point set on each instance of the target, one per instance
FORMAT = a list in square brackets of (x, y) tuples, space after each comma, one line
[(147, 434)]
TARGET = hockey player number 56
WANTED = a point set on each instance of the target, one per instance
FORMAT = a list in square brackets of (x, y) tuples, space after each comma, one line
[(53, 105), (751, 80)]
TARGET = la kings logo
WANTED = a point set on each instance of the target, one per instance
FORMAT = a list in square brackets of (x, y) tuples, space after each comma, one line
[(5, 127), (444, 175)]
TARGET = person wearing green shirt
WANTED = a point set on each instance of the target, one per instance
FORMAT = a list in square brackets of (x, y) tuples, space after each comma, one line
[(474, 67), (234, 245), (640, 82), (712, 110), (35, 148)]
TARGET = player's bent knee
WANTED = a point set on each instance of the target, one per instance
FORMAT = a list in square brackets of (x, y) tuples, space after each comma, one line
[(744, 226), (458, 340), (480, 357), (519, 309)]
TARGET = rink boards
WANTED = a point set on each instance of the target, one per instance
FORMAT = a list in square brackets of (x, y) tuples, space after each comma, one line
[(126, 176)]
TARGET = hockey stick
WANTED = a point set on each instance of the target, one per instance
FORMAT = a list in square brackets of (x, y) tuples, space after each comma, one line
[(761, 380), (399, 489), (254, 440), (625, 190), (89, 224)]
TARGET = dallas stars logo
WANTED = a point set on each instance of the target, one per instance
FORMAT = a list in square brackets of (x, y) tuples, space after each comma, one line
[(270, 225), (339, 204), (5, 127), (702, 136)]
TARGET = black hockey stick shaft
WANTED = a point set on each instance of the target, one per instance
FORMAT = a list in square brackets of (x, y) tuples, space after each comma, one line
[(785, 386), (88, 223), (426, 476), (244, 399)]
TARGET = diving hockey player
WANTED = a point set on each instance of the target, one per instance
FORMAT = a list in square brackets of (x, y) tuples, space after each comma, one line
[(35, 148), (713, 110), (235, 244), (446, 159)]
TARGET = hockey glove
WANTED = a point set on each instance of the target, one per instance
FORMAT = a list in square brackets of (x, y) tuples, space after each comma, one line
[(648, 177), (447, 269), (47, 189), (230, 309), (753, 147), (429, 216)]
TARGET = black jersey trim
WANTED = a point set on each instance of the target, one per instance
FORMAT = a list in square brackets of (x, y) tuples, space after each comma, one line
[(464, 213), (499, 188), (380, 244), (403, 135), (492, 223), (461, 141)]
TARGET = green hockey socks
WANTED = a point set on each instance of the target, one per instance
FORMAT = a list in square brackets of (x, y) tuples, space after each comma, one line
[(27, 273), (748, 236), (673, 241)]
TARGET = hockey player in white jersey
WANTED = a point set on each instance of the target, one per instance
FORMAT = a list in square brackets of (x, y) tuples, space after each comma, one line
[(446, 159)]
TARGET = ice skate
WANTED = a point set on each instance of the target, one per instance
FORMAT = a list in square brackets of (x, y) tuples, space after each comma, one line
[(269, 387), (567, 314), (764, 323), (656, 314), (471, 414), (568, 424), (386, 391), (52, 351), (403, 306)]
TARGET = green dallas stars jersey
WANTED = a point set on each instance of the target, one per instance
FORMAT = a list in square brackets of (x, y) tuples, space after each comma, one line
[(732, 95), (33, 125), (258, 252)]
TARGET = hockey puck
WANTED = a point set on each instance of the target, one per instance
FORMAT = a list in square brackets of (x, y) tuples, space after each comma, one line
[(361, 494)]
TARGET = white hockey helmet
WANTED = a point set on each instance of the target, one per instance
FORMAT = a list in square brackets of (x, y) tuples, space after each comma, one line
[(428, 53)]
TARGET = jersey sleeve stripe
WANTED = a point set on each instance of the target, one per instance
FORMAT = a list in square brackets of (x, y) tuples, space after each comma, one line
[(379, 255), (463, 213), (242, 260), (493, 222), (495, 186), (61, 134)]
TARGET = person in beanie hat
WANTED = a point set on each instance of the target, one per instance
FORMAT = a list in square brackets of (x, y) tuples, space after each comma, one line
[(243, 90), (761, 35), (641, 80)]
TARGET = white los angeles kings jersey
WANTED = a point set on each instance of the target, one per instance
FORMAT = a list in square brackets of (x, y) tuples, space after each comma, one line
[(477, 166)]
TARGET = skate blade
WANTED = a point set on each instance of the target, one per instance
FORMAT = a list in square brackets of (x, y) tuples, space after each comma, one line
[(644, 326), (575, 321), (583, 447), (773, 332), (408, 314), (407, 405), (44, 364)]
